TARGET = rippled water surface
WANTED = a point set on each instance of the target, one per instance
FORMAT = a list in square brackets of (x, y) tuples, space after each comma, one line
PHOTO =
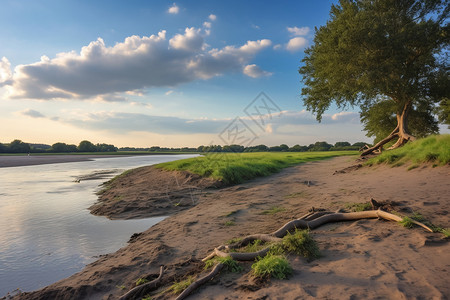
[(46, 230)]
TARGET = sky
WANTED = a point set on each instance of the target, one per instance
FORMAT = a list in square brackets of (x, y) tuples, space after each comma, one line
[(161, 73)]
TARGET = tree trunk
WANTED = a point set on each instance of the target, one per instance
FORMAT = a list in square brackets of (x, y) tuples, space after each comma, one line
[(400, 132)]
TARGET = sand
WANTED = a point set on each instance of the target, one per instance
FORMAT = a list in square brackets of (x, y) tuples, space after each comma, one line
[(364, 259)]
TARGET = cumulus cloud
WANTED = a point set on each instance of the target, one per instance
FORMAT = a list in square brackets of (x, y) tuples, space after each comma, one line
[(212, 17), (296, 44), (5, 71), (31, 113), (255, 71), (174, 9), (105, 73), (295, 31)]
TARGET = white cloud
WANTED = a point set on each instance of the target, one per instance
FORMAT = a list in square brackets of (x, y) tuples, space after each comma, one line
[(174, 9), (295, 31), (104, 73), (207, 24), (212, 17), (31, 113), (296, 44), (255, 71), (191, 40), (5, 71), (277, 46), (141, 104)]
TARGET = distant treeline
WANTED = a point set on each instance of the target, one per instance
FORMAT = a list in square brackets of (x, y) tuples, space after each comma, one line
[(17, 146)]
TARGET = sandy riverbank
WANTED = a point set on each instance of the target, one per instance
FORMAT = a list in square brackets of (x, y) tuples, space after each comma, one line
[(365, 259)]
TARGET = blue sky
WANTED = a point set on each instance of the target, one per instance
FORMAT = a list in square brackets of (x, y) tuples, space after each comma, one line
[(144, 73)]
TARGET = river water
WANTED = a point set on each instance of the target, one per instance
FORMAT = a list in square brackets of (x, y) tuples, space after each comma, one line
[(46, 230)]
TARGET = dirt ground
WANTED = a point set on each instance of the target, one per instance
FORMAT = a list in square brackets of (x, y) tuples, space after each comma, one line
[(366, 259)]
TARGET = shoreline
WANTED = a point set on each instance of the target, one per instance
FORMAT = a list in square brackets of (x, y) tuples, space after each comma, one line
[(11, 161), (361, 259)]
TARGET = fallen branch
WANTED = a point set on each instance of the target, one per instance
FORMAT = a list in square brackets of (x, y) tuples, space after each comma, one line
[(143, 289), (200, 281)]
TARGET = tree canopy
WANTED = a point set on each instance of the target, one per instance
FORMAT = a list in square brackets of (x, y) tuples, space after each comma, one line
[(388, 57)]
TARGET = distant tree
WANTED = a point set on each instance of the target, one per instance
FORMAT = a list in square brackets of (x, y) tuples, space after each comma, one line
[(59, 147), (342, 144), (257, 148), (2, 148), (298, 148), (320, 146), (106, 148), (233, 148), (86, 146), (17, 146), (388, 57), (284, 147)]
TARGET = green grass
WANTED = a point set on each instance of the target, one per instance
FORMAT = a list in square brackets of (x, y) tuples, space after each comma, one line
[(271, 265), (234, 168), (179, 286), (229, 263), (230, 223), (434, 149), (301, 243), (141, 281), (358, 206)]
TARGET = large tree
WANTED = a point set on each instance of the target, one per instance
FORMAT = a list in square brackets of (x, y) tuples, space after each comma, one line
[(390, 58)]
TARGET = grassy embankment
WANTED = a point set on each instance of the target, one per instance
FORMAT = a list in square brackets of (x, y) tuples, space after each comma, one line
[(434, 149), (233, 168)]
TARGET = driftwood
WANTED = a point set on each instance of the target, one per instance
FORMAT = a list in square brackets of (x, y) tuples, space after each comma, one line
[(200, 281), (143, 289)]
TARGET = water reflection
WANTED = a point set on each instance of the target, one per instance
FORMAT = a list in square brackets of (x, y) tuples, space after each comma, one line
[(46, 231)]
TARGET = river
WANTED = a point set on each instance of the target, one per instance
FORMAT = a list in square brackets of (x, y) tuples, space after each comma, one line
[(46, 230)]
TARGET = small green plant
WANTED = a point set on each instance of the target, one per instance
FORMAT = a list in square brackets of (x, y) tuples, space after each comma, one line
[(230, 223), (270, 265), (301, 243), (141, 281), (233, 241), (229, 263), (273, 210), (255, 246), (359, 206), (147, 297), (179, 286), (122, 287), (407, 222)]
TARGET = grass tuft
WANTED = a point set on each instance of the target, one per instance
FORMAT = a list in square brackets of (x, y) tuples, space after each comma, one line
[(407, 222), (229, 263), (179, 286), (273, 210), (141, 281), (301, 243), (359, 206), (270, 265)]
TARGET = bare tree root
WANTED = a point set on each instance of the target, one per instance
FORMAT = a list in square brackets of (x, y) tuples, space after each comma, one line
[(143, 289), (200, 281)]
